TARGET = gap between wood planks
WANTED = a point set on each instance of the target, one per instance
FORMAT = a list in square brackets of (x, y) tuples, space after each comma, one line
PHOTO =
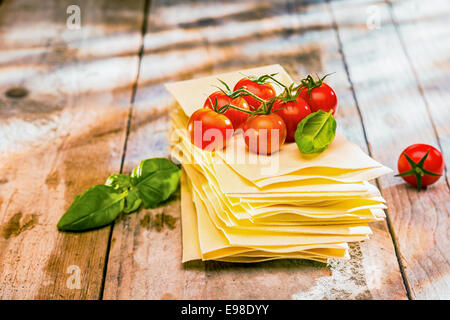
[(388, 220), (127, 131)]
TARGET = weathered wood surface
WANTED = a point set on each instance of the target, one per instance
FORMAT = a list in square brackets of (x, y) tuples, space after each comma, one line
[(225, 36), (423, 30), (70, 132), (429, 55), (402, 102), (65, 134)]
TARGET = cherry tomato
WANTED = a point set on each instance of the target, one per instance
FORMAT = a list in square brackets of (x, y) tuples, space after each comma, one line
[(322, 97), (209, 130), (292, 112), (263, 90), (237, 117), (264, 134), (420, 165)]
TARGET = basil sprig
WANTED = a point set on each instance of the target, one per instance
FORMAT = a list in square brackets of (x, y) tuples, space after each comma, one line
[(151, 183), (315, 132)]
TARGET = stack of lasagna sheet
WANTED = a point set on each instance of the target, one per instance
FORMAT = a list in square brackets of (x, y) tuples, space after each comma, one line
[(237, 206)]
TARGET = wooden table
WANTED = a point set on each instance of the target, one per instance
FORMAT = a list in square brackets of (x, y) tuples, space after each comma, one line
[(79, 104)]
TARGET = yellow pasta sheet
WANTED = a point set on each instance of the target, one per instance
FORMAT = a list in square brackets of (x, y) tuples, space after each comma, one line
[(220, 214), (252, 168), (235, 185), (330, 212), (201, 240)]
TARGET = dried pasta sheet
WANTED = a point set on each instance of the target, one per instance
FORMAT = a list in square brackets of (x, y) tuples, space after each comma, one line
[(202, 240), (237, 206)]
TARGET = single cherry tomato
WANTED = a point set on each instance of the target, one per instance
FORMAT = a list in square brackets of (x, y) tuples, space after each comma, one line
[(218, 99), (261, 89), (318, 95), (292, 112), (209, 130), (264, 133), (421, 165)]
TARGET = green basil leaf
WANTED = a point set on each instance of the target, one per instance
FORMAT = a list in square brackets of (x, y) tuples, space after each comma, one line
[(156, 180), (120, 182), (132, 201), (96, 207), (316, 132)]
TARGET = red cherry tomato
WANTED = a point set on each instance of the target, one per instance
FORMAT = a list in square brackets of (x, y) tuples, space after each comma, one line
[(263, 90), (322, 97), (264, 134), (209, 130), (421, 165), (219, 99), (292, 112)]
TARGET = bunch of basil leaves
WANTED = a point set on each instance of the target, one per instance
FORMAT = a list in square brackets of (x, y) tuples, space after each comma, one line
[(315, 132), (150, 183)]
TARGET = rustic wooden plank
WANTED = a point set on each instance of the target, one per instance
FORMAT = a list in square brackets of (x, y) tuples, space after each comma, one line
[(424, 33), (145, 256), (423, 30), (395, 115), (184, 42), (61, 132), (309, 45)]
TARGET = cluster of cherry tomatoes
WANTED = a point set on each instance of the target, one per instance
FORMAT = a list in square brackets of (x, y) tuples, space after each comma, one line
[(267, 120)]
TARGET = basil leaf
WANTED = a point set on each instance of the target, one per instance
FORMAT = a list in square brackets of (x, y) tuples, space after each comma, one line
[(120, 182), (156, 180), (132, 201), (96, 207), (316, 132)]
